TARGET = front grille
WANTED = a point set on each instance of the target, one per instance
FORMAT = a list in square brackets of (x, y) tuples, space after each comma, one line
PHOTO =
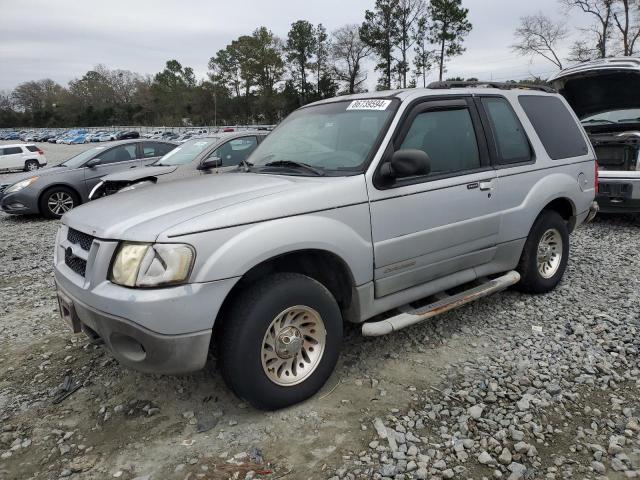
[(76, 264), (79, 238)]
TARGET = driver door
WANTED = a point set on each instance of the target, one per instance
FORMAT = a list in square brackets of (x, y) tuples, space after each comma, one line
[(113, 160), (446, 222)]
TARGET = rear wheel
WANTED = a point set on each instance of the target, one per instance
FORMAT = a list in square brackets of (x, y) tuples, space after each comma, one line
[(545, 254), (280, 340), (31, 165), (57, 201)]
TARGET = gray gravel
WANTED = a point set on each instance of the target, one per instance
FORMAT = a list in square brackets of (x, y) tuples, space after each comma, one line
[(513, 386), (555, 394)]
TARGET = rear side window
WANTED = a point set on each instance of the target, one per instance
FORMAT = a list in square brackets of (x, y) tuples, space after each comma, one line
[(12, 150), (555, 126), (32, 148), (511, 142), (448, 137)]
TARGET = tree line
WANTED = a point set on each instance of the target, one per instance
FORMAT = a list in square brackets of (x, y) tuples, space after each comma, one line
[(614, 30), (258, 77)]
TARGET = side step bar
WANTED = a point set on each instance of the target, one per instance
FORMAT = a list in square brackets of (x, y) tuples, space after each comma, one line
[(411, 316)]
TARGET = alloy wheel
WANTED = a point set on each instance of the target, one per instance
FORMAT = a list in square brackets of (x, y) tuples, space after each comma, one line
[(60, 203)]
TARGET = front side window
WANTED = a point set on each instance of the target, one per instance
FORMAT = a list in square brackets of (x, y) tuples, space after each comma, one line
[(235, 151), (555, 126), (187, 152), (511, 142), (336, 138), (154, 149), (123, 153), (448, 137)]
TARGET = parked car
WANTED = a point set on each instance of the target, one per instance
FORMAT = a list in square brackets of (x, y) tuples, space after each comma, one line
[(56, 190), (352, 208), (128, 135), (27, 157), (604, 94), (77, 139), (215, 154)]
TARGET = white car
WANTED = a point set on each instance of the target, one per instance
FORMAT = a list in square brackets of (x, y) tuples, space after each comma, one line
[(25, 157)]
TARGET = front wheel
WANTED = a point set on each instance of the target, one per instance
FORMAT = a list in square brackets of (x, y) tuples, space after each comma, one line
[(57, 201), (280, 340), (545, 254)]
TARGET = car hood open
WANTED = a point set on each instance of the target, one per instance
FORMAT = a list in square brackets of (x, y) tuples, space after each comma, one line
[(173, 209), (600, 85), (134, 174)]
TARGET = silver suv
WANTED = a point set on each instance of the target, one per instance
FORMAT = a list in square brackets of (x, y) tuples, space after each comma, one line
[(355, 209)]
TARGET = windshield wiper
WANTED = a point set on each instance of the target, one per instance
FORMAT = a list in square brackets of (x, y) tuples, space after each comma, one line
[(294, 164), (595, 120), (629, 120), (247, 165)]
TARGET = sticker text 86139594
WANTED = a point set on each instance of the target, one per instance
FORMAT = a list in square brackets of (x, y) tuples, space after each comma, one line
[(369, 104)]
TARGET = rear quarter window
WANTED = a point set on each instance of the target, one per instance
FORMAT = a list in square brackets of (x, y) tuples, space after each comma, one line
[(32, 148), (555, 126)]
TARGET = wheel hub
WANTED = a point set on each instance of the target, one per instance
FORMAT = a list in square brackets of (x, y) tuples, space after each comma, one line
[(293, 345), (549, 254), (288, 342)]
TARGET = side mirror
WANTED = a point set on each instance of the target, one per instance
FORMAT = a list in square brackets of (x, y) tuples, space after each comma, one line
[(211, 162), (93, 163), (407, 163)]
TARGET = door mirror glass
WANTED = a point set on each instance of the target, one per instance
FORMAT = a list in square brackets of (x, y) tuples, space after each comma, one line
[(211, 162), (93, 163), (407, 163)]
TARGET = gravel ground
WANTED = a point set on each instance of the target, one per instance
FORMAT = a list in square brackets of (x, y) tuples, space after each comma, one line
[(513, 386)]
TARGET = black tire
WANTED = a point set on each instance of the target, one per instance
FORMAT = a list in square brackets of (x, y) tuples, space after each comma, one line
[(31, 165), (245, 324), (532, 280), (53, 193)]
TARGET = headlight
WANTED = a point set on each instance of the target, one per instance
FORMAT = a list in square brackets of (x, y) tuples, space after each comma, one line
[(151, 265), (16, 187)]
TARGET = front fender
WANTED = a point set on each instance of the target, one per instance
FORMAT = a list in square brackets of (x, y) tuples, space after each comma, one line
[(232, 252)]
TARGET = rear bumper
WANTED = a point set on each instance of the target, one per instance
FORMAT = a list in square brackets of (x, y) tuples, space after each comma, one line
[(139, 348), (619, 193)]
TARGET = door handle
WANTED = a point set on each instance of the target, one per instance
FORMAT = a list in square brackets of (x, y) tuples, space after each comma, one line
[(486, 186)]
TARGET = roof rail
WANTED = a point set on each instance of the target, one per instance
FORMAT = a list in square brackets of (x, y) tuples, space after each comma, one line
[(500, 85)]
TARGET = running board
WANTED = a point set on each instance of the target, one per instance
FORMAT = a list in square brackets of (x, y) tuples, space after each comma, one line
[(411, 316)]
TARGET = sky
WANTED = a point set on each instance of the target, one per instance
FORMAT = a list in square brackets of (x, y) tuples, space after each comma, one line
[(64, 39)]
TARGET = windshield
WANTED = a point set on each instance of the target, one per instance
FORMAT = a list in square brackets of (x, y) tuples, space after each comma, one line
[(334, 138), (187, 152), (82, 158), (615, 116)]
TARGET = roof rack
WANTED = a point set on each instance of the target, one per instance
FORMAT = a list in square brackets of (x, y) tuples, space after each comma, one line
[(499, 85)]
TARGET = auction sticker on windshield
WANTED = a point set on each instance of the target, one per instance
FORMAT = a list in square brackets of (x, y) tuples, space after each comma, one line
[(371, 104)]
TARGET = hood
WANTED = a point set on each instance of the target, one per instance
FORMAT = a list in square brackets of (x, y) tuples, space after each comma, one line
[(600, 85), (41, 173), (211, 202), (137, 173)]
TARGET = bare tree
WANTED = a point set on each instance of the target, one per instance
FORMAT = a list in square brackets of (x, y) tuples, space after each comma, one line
[(628, 25), (539, 35), (408, 13), (348, 51), (602, 11)]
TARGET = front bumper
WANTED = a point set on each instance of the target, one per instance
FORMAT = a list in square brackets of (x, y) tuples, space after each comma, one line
[(619, 192), (158, 330), (19, 203), (137, 347)]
